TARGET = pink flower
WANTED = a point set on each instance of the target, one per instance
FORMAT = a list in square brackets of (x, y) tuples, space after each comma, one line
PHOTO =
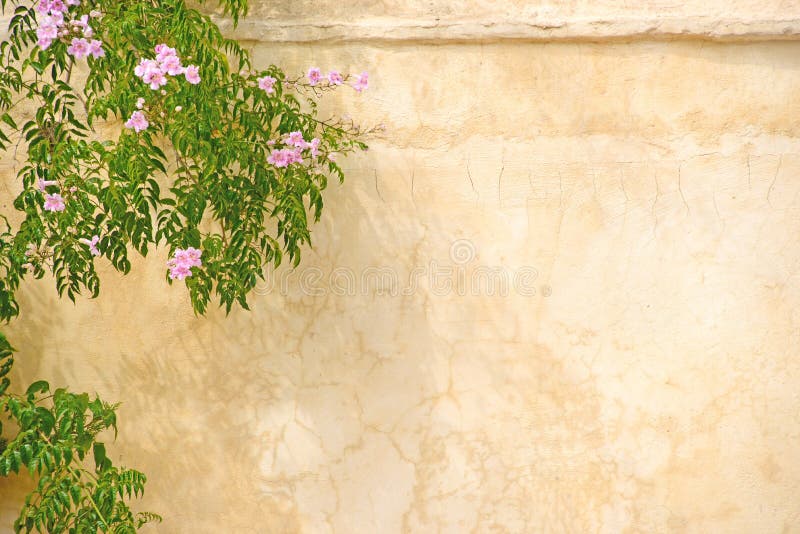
[(279, 158), (362, 82), (285, 157), (47, 31), (189, 257), (180, 265), (145, 66), (155, 79), (192, 74), (94, 13), (79, 47), (54, 6), (82, 22), (179, 272), (54, 202), (96, 48), (150, 72), (137, 121), (314, 75), (332, 156), (267, 83), (45, 183), (314, 146), (295, 139), (91, 244), (335, 78), (139, 103), (163, 52), (171, 65), (296, 155)]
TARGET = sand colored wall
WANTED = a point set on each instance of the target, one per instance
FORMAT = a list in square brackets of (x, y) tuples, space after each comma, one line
[(593, 327)]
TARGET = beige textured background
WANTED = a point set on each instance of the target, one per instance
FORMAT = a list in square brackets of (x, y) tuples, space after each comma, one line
[(642, 157)]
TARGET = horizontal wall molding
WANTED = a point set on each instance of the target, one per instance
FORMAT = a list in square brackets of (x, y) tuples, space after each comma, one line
[(617, 29)]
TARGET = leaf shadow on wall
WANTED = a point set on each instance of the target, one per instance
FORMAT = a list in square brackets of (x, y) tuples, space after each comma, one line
[(356, 411)]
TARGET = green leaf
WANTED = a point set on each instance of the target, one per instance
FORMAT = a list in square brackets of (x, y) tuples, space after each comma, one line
[(40, 386), (100, 460)]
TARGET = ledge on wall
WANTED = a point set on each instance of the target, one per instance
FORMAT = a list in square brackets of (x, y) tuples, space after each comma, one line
[(573, 29)]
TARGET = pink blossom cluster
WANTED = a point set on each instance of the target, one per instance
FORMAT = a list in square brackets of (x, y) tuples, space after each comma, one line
[(267, 83), (315, 77), (48, 29), (137, 121), (181, 263), (54, 26), (56, 8), (80, 47), (283, 157), (54, 202), (154, 72), (31, 251)]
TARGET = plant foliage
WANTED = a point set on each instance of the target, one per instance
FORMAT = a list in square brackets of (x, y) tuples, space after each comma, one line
[(134, 124), (57, 432)]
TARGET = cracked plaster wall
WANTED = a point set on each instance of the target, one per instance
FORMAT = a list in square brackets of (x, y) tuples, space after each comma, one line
[(635, 371)]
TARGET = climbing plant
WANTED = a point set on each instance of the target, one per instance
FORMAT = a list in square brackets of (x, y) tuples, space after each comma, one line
[(132, 125)]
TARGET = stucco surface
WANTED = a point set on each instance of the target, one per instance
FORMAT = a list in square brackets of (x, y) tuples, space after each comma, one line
[(559, 294), (438, 20)]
